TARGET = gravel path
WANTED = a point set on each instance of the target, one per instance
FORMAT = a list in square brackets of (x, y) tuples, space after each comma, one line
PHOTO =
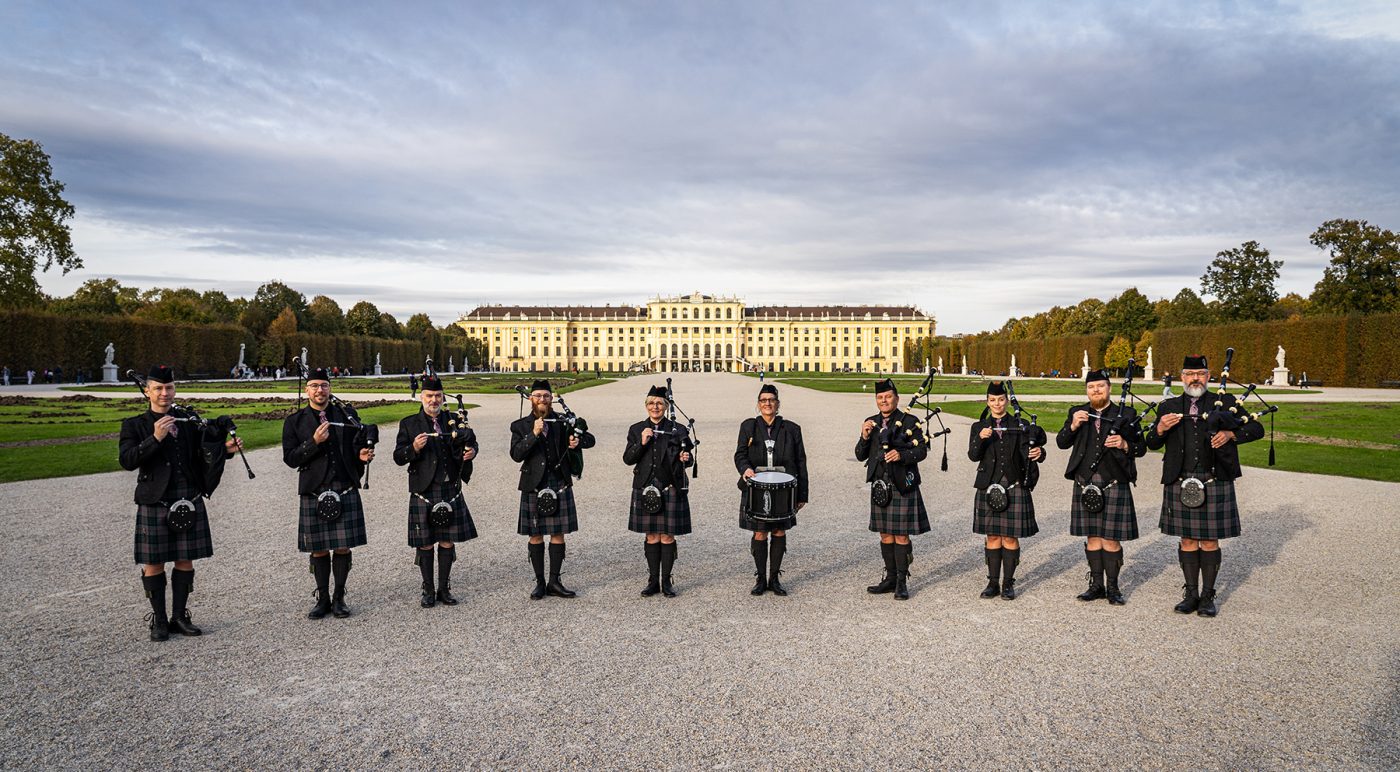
[(1299, 670)]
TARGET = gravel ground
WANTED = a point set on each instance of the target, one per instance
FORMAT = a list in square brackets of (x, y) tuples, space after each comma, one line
[(1299, 669)]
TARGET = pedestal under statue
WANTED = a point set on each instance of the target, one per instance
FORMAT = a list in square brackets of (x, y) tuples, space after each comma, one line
[(109, 367), (1280, 372)]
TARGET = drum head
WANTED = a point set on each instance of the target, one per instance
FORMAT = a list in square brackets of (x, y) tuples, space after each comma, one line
[(773, 478)]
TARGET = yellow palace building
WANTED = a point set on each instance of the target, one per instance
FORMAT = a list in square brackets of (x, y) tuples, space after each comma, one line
[(697, 333)]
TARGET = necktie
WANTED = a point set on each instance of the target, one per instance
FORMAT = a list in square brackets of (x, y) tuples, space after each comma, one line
[(1098, 424), (1195, 409)]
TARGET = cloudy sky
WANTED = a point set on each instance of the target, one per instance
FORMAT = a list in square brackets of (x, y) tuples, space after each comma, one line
[(979, 159)]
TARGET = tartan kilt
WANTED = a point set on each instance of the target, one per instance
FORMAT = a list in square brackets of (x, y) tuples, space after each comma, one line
[(763, 525), (905, 516), (1218, 518), (1117, 520), (1017, 521), (421, 532), (564, 520), (345, 532), (674, 517), (156, 543)]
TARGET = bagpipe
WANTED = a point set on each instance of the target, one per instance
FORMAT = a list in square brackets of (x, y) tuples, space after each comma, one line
[(572, 423), (920, 401), (211, 431), (687, 438)]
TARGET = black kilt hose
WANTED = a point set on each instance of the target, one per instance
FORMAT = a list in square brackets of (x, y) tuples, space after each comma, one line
[(422, 533), (763, 525), (1217, 518), (345, 532), (905, 515), (1016, 521), (156, 543), (673, 519), (564, 520), (1117, 520)]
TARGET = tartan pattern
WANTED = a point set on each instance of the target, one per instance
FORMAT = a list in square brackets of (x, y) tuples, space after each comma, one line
[(156, 543), (421, 533), (1017, 521), (564, 520), (345, 532), (1218, 518), (763, 525), (905, 516), (674, 517), (1117, 520)]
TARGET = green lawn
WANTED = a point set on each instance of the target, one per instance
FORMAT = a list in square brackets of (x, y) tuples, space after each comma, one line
[(81, 424), (476, 383), (1336, 438), (856, 382)]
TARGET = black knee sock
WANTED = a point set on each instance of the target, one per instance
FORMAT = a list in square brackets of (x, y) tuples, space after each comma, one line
[(537, 560), (155, 593), (901, 560), (556, 560), (1112, 561), (181, 585), (993, 555), (424, 559), (668, 558), (777, 546), (446, 557), (1210, 566), (908, 553), (759, 549), (340, 566), (1096, 564), (1009, 560), (321, 570), (1190, 566), (653, 553), (887, 552)]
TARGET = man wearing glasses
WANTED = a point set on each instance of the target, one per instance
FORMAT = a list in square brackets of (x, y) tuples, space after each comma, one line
[(788, 454), (1200, 432), (540, 442)]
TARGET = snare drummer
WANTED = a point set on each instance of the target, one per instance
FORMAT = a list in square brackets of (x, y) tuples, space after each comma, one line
[(437, 508), (658, 449), (1194, 451), (771, 443), (891, 445), (539, 442), (1106, 441), (1002, 510), (171, 466), (322, 442)]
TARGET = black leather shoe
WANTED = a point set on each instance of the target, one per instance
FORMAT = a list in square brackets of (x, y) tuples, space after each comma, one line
[(651, 589), (538, 592), (182, 625), (338, 607), (776, 586), (667, 589), (1189, 600), (558, 590), (1115, 595), (429, 597), (322, 607), (992, 590), (444, 596), (1008, 589), (760, 586), (1206, 607), (160, 626), (1095, 591), (886, 585), (901, 589)]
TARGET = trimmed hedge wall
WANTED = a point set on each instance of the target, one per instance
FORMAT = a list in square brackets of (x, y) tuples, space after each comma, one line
[(43, 340)]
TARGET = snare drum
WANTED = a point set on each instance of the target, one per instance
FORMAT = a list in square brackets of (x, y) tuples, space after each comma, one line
[(770, 497)]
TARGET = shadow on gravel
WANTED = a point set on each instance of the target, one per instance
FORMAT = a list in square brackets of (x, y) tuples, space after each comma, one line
[(1379, 727)]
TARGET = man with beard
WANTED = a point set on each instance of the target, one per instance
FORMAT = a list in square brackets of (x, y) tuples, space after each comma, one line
[(1106, 442), (1201, 432), (325, 443)]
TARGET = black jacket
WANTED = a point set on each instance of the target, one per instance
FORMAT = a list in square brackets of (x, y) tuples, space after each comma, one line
[(788, 450), (1013, 448), (538, 455), (312, 461), (200, 453), (441, 454), (1225, 462), (659, 459), (903, 434), (1115, 464)]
